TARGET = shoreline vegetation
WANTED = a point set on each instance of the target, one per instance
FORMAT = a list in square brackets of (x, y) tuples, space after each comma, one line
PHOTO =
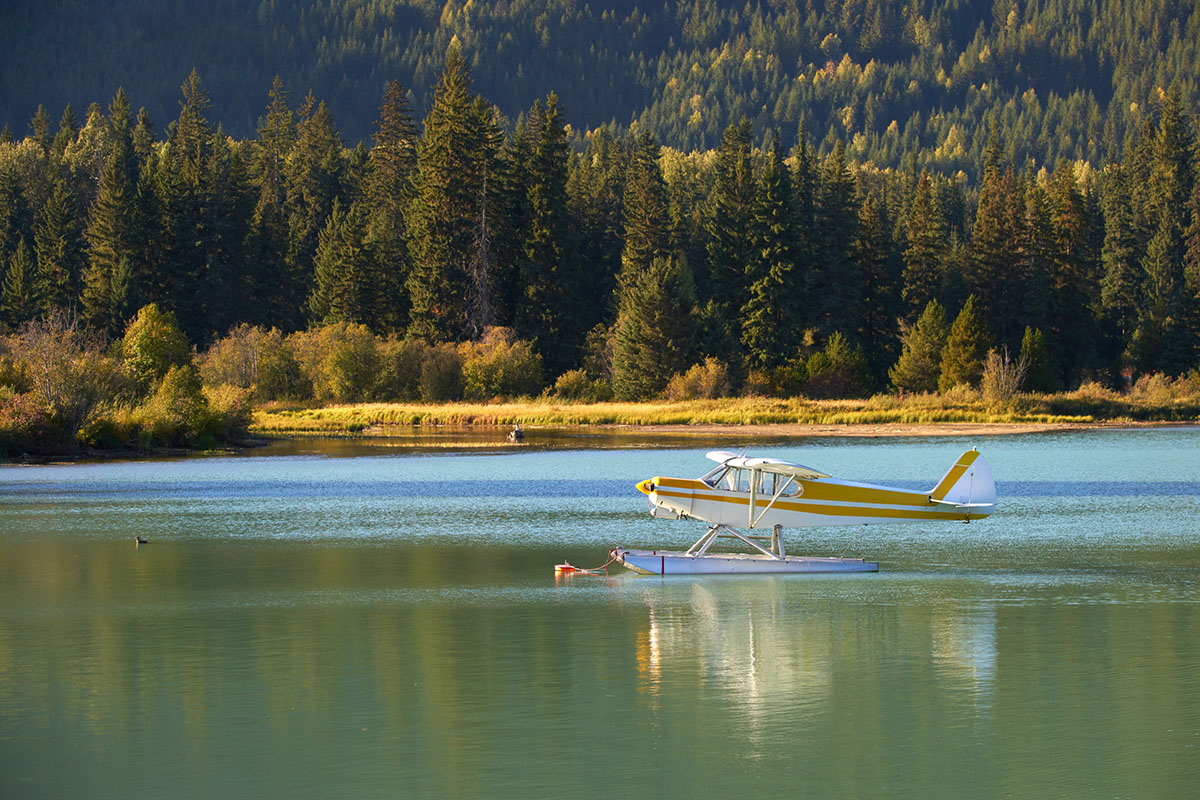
[(965, 413), (66, 393)]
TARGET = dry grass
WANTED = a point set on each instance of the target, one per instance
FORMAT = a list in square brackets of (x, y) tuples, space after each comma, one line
[(954, 407)]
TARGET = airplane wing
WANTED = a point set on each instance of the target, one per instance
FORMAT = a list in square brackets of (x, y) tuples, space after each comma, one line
[(798, 471)]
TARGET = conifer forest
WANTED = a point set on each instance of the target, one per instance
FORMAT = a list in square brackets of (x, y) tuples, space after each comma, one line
[(831, 199)]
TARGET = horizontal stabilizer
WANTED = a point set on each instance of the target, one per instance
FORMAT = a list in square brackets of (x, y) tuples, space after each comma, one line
[(968, 484)]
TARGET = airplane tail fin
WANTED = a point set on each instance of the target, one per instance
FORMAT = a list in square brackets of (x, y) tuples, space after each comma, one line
[(968, 485)]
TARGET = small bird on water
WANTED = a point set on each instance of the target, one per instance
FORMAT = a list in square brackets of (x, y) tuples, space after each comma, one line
[(138, 541)]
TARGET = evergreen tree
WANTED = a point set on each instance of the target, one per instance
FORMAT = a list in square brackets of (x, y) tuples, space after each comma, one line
[(112, 231), (730, 217), (1034, 255), (447, 219), (594, 189), (271, 277), (229, 198), (995, 276), (68, 128), (966, 347), (836, 288), (389, 190), (21, 298), (549, 312), (804, 191), (1072, 334), (771, 318), (346, 288), (920, 363), (143, 136), (58, 242), (313, 174), (647, 224), (879, 268), (14, 211), (655, 330), (1039, 372), (40, 127), (926, 250)]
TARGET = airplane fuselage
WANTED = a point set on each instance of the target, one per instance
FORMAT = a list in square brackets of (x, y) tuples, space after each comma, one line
[(802, 504)]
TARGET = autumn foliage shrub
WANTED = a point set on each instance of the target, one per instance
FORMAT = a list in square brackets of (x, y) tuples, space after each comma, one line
[(701, 382), (499, 366)]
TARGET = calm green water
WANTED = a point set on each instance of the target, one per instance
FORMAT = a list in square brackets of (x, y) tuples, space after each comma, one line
[(334, 620)]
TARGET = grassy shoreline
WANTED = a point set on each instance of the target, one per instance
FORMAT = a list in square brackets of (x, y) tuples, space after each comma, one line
[(925, 411)]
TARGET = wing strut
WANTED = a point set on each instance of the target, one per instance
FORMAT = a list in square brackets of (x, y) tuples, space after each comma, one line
[(754, 520)]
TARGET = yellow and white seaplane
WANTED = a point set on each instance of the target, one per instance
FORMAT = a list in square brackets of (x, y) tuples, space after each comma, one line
[(769, 494)]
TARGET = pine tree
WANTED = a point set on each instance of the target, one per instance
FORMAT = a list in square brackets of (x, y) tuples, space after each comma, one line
[(920, 363), (926, 252), (655, 330), (21, 298), (966, 347), (730, 217), (143, 136), (771, 318), (14, 211)]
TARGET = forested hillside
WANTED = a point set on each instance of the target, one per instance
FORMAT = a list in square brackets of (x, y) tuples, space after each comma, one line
[(925, 78), (465, 251)]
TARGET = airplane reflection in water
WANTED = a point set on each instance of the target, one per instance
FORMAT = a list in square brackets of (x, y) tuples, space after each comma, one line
[(780, 652)]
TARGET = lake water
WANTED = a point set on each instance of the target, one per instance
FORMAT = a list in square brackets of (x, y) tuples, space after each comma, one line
[(332, 619)]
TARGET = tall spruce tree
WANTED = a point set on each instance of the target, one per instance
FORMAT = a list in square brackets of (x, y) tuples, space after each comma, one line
[(594, 188), (313, 177), (1039, 372)]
